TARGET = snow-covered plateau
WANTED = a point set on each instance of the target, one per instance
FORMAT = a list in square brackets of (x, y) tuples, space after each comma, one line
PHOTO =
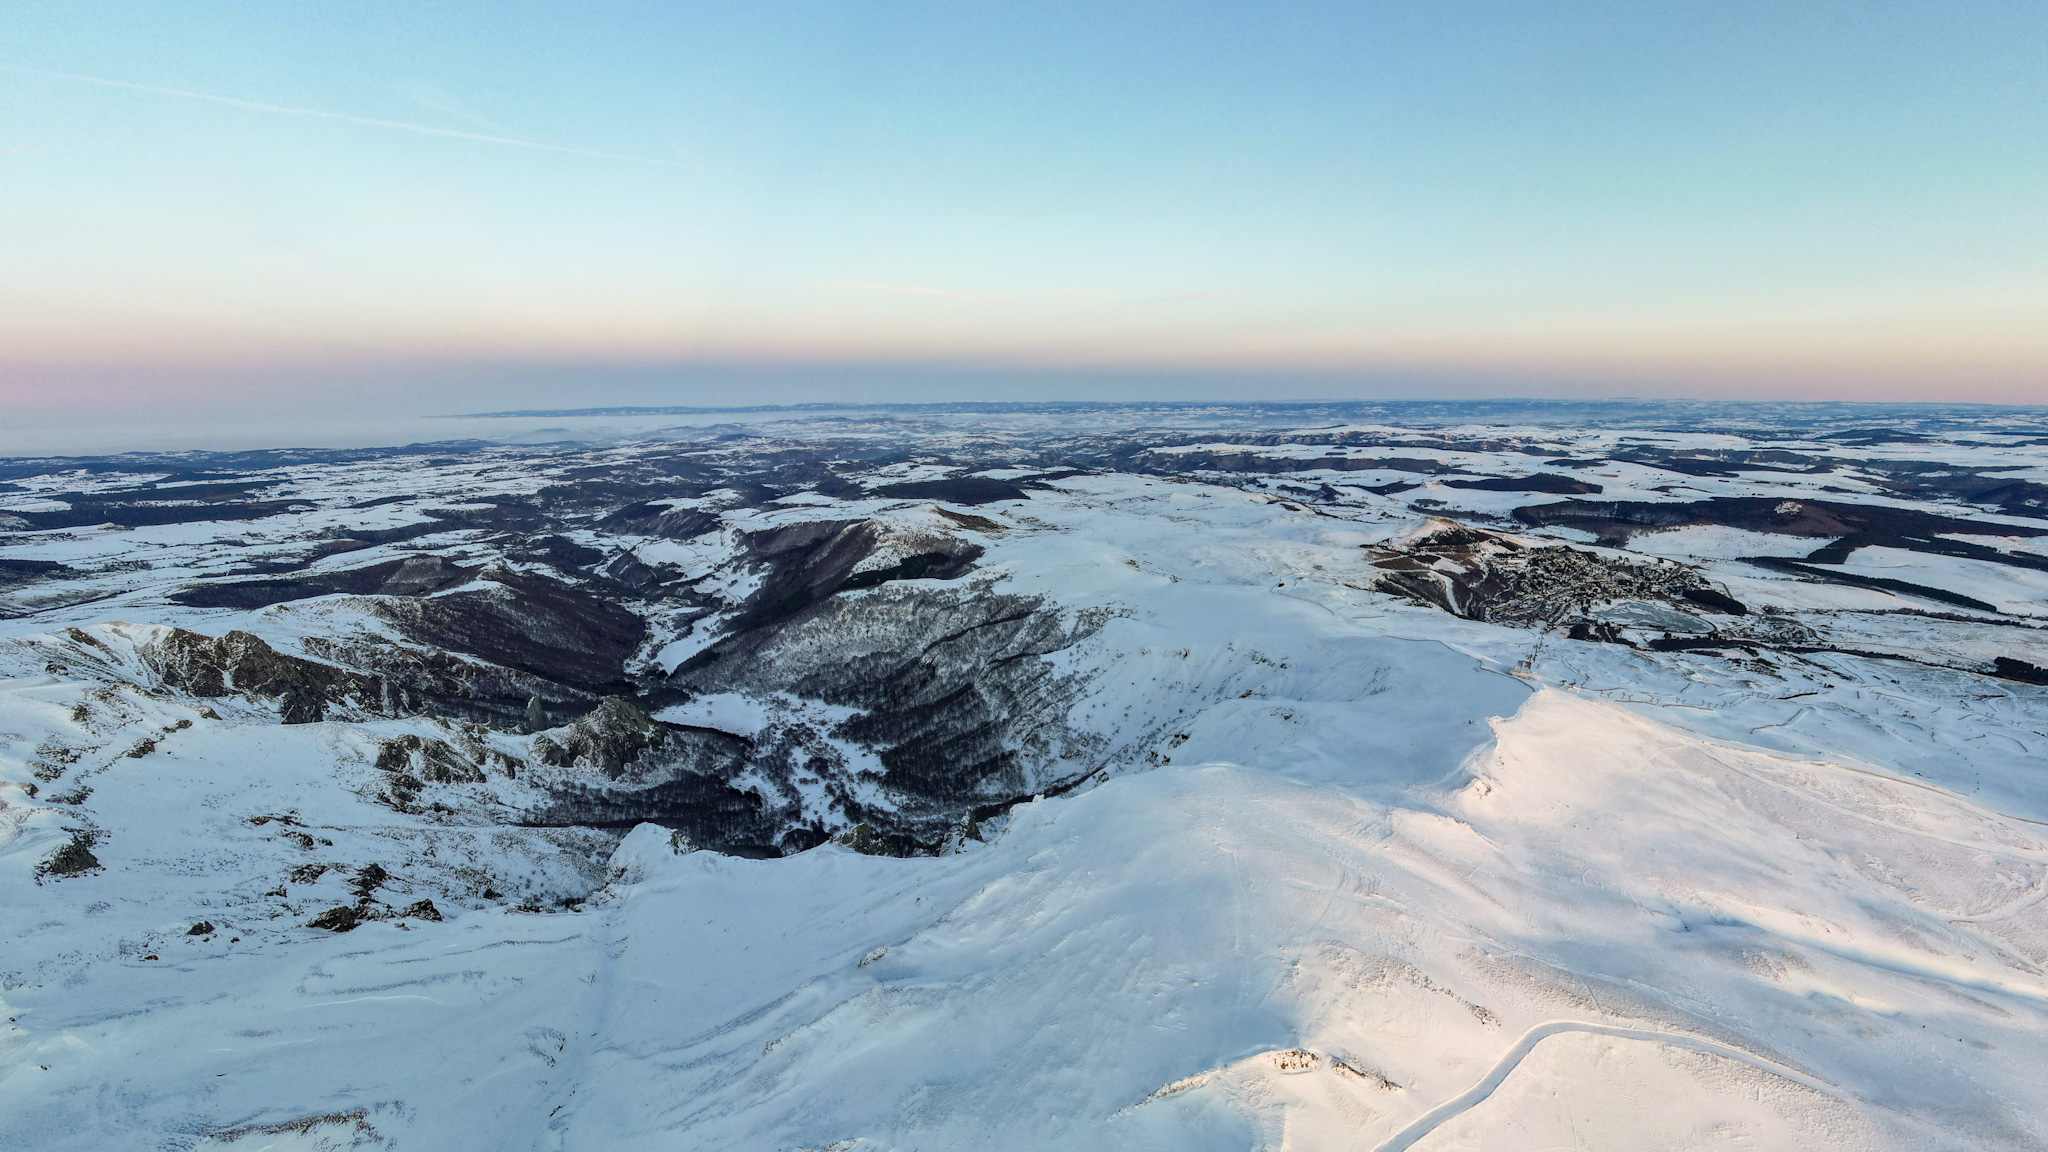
[(1210, 777)]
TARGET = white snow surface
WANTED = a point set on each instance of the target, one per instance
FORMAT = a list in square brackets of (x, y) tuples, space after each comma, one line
[(1384, 879)]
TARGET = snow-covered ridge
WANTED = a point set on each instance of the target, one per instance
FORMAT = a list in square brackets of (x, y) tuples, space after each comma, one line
[(1020, 785)]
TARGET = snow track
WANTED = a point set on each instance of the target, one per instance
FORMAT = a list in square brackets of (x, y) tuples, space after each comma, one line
[(1478, 1094)]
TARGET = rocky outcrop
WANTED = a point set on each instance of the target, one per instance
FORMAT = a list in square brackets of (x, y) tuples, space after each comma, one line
[(360, 677), (621, 742), (427, 681), (430, 760), (1482, 575), (243, 664), (73, 859)]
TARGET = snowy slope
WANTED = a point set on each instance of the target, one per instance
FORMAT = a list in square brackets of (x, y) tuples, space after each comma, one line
[(1322, 866)]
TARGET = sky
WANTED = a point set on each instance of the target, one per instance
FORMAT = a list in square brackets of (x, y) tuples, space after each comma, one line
[(212, 208)]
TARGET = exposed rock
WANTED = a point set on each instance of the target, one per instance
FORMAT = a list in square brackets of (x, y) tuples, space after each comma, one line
[(422, 910), (619, 740), (341, 918), (1485, 576), (72, 859), (302, 704), (203, 928), (423, 681), (866, 841), (241, 663), (368, 879), (431, 760)]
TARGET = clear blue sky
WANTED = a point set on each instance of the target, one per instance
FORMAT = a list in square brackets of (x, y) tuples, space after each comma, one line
[(646, 202)]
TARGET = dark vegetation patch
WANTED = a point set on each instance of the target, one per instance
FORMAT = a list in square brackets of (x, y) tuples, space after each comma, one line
[(529, 623), (401, 533), (949, 689), (173, 489), (17, 572), (1868, 436), (805, 564), (962, 490), (2020, 671), (560, 552), (1724, 462), (2027, 498), (1540, 482), (1255, 463), (923, 566), (1838, 552), (412, 576), (1857, 579), (1617, 520), (88, 512), (669, 523), (706, 809)]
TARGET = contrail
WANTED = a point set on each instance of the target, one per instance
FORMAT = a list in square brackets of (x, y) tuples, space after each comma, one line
[(258, 106)]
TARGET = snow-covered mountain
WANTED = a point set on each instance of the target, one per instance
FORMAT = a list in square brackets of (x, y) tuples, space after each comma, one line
[(1180, 778)]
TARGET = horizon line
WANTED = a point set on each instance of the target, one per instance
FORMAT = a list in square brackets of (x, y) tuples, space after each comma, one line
[(1099, 405)]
